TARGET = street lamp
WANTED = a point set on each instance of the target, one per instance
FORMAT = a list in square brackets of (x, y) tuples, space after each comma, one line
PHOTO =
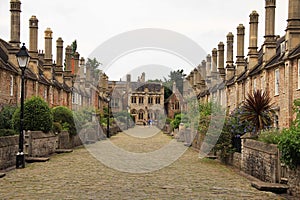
[(108, 115), (23, 59), (128, 113)]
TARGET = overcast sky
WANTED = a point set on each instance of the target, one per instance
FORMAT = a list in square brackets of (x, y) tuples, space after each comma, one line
[(92, 22)]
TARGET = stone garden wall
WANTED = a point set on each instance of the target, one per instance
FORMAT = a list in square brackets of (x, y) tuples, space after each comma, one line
[(8, 150), (294, 182), (260, 160), (39, 144)]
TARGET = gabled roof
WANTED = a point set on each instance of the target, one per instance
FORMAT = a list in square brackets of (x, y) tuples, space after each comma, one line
[(295, 52), (230, 81)]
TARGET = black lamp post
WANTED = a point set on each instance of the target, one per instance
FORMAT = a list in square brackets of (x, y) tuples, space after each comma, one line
[(23, 59), (128, 113), (108, 116)]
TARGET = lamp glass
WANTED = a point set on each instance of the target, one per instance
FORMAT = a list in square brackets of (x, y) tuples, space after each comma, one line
[(23, 57), (23, 61)]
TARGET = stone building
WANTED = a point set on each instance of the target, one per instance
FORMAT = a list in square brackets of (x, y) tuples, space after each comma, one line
[(67, 84), (175, 103), (274, 67), (144, 100)]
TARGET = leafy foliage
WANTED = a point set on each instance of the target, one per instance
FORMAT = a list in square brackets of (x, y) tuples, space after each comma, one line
[(6, 117), (258, 110), (289, 144), (64, 117), (270, 136), (94, 64), (289, 141), (37, 116), (179, 118), (7, 132), (174, 76)]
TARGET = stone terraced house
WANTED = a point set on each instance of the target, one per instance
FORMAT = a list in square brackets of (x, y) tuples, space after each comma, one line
[(274, 67), (71, 84)]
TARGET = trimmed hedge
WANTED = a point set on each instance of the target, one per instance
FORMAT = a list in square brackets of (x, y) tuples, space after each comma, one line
[(64, 117), (37, 116), (7, 132)]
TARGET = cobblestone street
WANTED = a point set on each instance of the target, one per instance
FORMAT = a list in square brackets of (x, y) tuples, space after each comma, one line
[(79, 175)]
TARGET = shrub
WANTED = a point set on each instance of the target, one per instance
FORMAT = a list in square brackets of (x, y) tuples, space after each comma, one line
[(64, 117), (289, 143), (269, 136), (37, 116), (56, 128), (7, 132), (6, 116), (179, 118)]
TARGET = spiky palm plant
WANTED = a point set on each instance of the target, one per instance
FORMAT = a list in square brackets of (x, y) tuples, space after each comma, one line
[(257, 110)]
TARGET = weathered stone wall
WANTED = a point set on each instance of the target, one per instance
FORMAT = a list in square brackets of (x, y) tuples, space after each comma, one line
[(40, 144), (294, 182), (64, 141), (8, 151), (235, 160), (260, 160)]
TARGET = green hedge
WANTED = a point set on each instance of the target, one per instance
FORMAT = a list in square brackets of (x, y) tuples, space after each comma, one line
[(7, 132), (64, 117), (6, 117), (37, 116)]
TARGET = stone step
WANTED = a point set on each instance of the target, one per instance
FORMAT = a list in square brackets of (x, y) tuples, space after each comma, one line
[(36, 159), (63, 150), (270, 187), (211, 157), (2, 175)]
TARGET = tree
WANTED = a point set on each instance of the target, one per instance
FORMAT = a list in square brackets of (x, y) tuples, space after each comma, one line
[(257, 109), (177, 77), (74, 47), (94, 64)]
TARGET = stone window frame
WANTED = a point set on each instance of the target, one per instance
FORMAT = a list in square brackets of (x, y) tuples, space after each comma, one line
[(11, 86), (141, 100), (254, 84), (263, 83), (276, 82), (298, 74)]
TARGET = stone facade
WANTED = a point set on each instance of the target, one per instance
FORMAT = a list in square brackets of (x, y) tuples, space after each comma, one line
[(274, 68), (143, 100), (70, 86)]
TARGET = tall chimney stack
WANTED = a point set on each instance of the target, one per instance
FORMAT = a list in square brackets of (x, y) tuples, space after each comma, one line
[(48, 46), (68, 57), (221, 60), (230, 69), (33, 37), (48, 54), (293, 27), (270, 38), (15, 12), (214, 72), (203, 75), (253, 34), (208, 68), (59, 60), (240, 58), (76, 62)]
